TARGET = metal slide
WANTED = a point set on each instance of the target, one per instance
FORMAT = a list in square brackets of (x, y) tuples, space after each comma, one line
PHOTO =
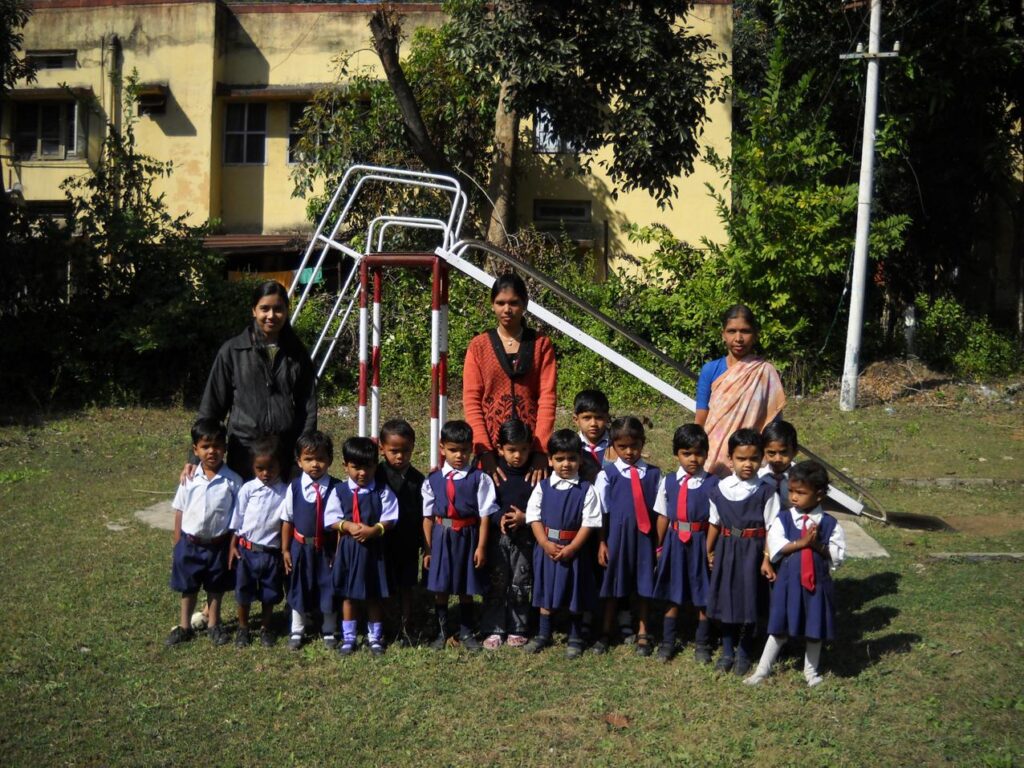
[(454, 253)]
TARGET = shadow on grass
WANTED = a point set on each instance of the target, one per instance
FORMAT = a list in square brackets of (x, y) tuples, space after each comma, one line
[(853, 653)]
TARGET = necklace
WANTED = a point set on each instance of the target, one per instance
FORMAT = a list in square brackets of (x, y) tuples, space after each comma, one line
[(513, 340)]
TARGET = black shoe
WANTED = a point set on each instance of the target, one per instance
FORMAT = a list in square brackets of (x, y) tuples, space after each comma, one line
[(242, 638), (219, 635), (643, 645), (574, 650), (470, 643), (347, 648), (724, 664), (537, 644), (666, 651), (179, 635), (295, 641), (330, 642), (702, 654), (600, 646), (377, 647), (267, 638), (742, 666), (439, 643)]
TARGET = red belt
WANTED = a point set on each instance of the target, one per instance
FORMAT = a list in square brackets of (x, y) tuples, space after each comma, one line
[(694, 527), (246, 544), (457, 523), (554, 534), (745, 533), (303, 539)]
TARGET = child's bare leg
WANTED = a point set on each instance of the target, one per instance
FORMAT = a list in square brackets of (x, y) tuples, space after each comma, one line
[(188, 605), (268, 614), (641, 617), (213, 601), (608, 625), (243, 615)]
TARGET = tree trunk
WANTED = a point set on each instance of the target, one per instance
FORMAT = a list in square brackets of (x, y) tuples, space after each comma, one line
[(385, 27), (506, 130)]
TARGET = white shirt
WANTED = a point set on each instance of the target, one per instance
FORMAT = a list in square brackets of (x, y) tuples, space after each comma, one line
[(389, 503), (601, 483), (601, 446), (766, 472), (207, 504), (735, 489), (331, 503), (591, 502), (257, 516), (777, 536), (696, 481), (486, 498)]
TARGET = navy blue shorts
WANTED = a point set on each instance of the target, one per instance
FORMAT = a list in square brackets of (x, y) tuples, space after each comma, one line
[(194, 567), (259, 577)]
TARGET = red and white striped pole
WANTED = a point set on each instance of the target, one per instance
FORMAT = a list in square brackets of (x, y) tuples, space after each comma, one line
[(375, 358), (364, 285), (442, 373), (435, 360)]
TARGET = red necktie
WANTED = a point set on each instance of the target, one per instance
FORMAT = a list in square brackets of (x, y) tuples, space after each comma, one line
[(355, 508), (450, 488), (643, 518), (684, 520), (319, 537), (593, 452), (806, 562)]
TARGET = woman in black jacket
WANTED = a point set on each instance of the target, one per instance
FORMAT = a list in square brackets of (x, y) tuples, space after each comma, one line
[(262, 381)]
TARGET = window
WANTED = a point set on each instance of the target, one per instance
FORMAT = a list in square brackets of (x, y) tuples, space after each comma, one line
[(245, 134), (48, 130), (545, 139), (561, 211), (52, 59), (296, 111)]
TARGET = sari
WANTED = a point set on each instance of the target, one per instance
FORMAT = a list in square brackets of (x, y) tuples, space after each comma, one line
[(749, 394)]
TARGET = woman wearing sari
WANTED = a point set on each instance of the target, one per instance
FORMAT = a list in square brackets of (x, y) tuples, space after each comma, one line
[(738, 390)]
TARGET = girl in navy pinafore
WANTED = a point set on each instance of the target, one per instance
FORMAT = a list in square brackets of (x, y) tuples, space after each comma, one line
[(682, 574), (626, 552), (311, 584), (451, 547), (360, 572), (806, 543), (563, 584)]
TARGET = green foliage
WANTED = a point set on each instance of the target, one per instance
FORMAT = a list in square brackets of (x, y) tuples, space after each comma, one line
[(14, 14), (124, 303), (950, 338), (627, 75)]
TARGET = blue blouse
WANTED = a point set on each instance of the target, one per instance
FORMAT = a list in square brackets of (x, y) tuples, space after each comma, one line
[(708, 374)]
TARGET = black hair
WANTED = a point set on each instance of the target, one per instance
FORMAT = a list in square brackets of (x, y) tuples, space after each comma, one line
[(590, 401), (780, 432), (690, 436), (743, 437), (565, 441), (266, 445), (314, 442), (810, 472), (456, 432), (743, 312), (510, 281), (361, 451), (627, 426), (210, 429), (397, 428), (270, 288), (514, 431)]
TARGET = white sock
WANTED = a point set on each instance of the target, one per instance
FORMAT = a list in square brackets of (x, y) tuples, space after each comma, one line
[(298, 623), (772, 649), (330, 626), (811, 659)]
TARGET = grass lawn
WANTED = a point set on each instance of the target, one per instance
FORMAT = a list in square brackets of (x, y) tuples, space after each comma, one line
[(929, 668)]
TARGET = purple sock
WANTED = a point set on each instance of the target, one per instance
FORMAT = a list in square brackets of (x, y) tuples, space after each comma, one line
[(348, 631)]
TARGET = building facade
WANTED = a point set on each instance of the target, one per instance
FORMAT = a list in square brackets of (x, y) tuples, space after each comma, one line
[(221, 87)]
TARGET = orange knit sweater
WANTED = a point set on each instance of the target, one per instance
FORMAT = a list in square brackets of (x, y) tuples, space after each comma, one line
[(490, 397)]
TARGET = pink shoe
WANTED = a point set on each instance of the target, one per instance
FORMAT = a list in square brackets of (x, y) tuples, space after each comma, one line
[(516, 641), (493, 642)]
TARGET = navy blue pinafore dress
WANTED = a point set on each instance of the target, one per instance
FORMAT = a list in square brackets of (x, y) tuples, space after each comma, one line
[(311, 584), (360, 572), (682, 574), (794, 611), (631, 554), (452, 546), (737, 592), (560, 584)]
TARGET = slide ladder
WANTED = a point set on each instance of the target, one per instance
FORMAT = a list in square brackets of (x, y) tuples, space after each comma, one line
[(453, 253)]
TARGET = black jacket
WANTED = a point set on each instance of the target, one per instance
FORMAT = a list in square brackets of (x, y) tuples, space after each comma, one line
[(258, 398)]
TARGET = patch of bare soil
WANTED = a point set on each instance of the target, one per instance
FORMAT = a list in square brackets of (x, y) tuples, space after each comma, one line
[(888, 380)]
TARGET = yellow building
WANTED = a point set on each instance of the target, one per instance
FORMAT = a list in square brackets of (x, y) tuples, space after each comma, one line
[(222, 87)]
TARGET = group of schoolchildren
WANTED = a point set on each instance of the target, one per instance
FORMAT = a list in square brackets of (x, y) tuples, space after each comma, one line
[(604, 538)]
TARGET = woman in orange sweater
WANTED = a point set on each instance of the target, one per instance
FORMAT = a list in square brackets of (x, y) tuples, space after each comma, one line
[(510, 373)]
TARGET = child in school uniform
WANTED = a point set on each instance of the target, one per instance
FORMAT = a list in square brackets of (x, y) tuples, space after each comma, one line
[(256, 541), (403, 544), (591, 416), (682, 573), (308, 545), (780, 447), (366, 511), (742, 506), (564, 511), (506, 613), (456, 498), (806, 544), (632, 492), (203, 507)]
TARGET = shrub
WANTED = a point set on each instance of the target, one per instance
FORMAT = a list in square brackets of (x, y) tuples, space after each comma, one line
[(950, 338)]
